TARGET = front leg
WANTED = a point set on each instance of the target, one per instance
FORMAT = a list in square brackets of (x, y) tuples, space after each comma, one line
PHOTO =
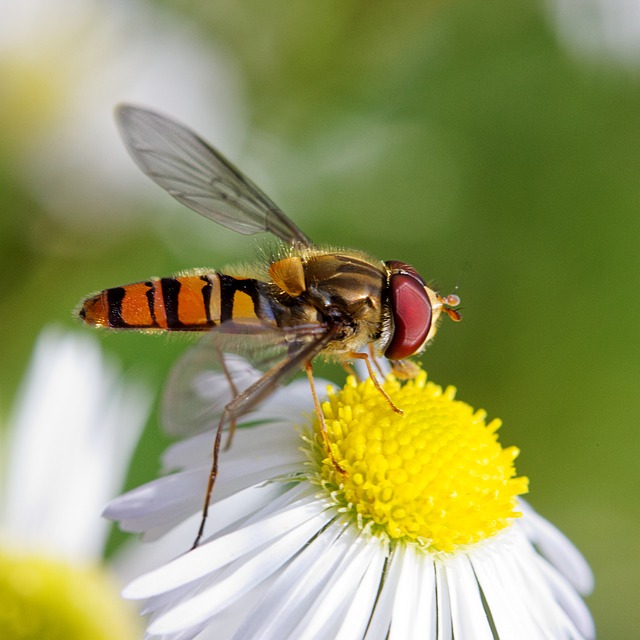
[(376, 383)]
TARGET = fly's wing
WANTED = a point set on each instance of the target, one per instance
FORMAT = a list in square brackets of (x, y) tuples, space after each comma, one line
[(200, 177), (230, 361)]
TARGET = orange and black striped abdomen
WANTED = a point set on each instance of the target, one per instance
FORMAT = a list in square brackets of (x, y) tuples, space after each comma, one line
[(181, 303)]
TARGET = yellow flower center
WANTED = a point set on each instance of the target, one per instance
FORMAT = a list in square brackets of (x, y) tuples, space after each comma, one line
[(43, 597), (435, 476)]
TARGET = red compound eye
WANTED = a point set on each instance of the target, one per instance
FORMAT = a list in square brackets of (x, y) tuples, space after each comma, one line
[(411, 311)]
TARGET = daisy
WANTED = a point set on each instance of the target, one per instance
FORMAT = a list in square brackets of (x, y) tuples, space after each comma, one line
[(64, 455), (424, 536), (65, 64)]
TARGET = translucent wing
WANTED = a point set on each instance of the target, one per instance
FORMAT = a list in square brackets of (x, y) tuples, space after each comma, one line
[(197, 175), (208, 376)]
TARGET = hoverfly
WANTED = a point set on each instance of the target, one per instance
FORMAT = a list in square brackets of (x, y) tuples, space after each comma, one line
[(306, 301)]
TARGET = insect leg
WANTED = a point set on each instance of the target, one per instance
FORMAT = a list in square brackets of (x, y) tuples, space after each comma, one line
[(245, 400), (347, 366), (372, 355), (241, 402), (213, 474), (323, 427), (374, 379), (234, 392)]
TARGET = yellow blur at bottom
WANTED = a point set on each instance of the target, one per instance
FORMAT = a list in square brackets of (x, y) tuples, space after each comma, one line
[(50, 599)]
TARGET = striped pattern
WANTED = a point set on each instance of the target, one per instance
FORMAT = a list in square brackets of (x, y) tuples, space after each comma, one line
[(182, 303)]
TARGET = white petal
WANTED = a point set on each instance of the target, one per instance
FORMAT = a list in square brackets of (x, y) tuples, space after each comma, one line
[(357, 617), (523, 566), (528, 590), (325, 614), (557, 548), (467, 611), (569, 600), (234, 583), (425, 620), (162, 504), (294, 400), (444, 603), (166, 500), (506, 597), (381, 618), (258, 444), (284, 603), (73, 433), (409, 601), (221, 551)]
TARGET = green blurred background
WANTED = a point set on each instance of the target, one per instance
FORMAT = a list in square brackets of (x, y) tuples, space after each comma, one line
[(493, 144)]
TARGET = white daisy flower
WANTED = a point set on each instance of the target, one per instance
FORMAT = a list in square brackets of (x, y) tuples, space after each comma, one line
[(423, 537), (65, 64), (64, 455)]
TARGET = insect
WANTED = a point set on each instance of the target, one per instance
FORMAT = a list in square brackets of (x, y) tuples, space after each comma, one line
[(304, 301)]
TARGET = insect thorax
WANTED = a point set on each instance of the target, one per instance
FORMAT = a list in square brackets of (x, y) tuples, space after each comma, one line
[(342, 289)]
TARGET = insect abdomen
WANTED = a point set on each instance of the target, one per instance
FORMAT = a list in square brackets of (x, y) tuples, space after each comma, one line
[(181, 303)]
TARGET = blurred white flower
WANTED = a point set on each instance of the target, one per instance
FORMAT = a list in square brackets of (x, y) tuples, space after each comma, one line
[(64, 454), (600, 29), (63, 68)]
